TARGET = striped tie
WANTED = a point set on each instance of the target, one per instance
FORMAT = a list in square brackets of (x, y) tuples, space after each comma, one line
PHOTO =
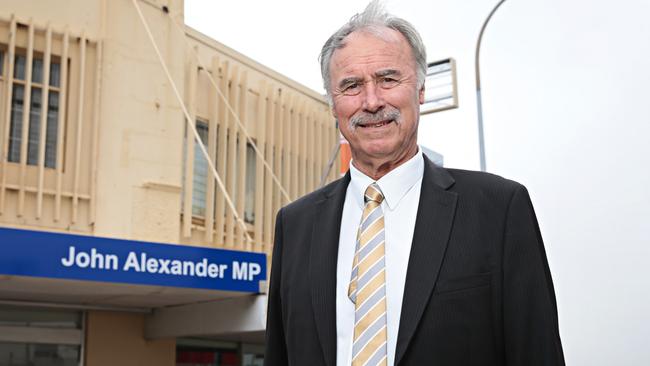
[(367, 285)]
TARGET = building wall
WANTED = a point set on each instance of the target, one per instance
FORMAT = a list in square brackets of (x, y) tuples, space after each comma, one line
[(291, 126), (124, 161), (141, 124), (115, 338), (126, 154)]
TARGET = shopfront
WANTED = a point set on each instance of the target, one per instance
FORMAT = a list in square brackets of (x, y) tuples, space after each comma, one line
[(69, 300)]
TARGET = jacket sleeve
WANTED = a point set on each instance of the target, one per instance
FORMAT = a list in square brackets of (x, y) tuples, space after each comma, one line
[(529, 306), (276, 349)]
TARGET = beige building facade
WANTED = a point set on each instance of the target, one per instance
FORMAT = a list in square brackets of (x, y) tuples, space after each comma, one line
[(95, 142)]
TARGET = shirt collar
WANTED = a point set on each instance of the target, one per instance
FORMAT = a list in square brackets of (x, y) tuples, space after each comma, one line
[(393, 185)]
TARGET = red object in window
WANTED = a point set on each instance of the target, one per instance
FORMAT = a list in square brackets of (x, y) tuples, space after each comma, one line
[(196, 357), (229, 359)]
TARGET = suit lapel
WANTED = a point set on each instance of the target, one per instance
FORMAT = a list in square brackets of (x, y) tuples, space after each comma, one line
[(322, 265), (432, 228)]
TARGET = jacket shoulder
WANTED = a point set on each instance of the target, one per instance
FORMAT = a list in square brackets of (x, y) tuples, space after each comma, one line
[(476, 179), (484, 187)]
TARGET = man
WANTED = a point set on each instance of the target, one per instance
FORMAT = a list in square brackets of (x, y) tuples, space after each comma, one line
[(401, 262)]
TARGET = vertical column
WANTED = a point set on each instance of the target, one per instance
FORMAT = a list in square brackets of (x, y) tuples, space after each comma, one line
[(319, 148), (212, 151), (78, 137), (9, 79), (189, 151), (277, 166), (268, 180), (312, 149), (295, 146), (303, 150), (241, 161), (63, 97), (286, 146), (96, 105), (309, 171), (333, 139), (222, 152), (231, 172), (259, 166), (43, 123), (27, 104)]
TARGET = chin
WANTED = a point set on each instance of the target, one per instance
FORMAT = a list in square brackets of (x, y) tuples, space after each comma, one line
[(379, 151)]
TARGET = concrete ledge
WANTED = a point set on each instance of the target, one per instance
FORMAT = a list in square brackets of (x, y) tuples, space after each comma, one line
[(209, 319)]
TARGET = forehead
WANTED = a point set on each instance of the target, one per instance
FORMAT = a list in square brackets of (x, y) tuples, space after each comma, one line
[(368, 51)]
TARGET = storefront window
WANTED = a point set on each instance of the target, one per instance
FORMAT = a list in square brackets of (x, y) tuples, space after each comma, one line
[(251, 359), (30, 354), (206, 357), (209, 352), (43, 337)]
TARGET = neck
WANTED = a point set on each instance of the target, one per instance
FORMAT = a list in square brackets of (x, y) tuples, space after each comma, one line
[(377, 168)]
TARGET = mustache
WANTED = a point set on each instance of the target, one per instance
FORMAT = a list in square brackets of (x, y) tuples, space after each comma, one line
[(384, 114)]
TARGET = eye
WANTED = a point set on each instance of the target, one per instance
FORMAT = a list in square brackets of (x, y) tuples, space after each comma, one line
[(352, 88), (387, 82)]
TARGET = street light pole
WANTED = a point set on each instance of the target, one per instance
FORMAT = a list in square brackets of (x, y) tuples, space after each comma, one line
[(479, 105)]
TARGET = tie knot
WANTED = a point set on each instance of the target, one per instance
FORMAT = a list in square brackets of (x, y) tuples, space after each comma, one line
[(373, 193)]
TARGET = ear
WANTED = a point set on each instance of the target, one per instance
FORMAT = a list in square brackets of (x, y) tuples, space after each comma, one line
[(421, 94)]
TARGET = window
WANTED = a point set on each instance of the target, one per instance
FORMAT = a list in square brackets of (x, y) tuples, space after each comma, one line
[(206, 352), (49, 125), (35, 109), (251, 168), (26, 336), (200, 174)]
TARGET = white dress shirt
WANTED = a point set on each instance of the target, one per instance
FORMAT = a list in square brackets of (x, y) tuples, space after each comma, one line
[(401, 189)]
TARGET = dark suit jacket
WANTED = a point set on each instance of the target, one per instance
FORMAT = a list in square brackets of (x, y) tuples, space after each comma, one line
[(478, 289)]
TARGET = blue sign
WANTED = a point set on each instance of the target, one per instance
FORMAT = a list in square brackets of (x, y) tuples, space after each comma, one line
[(76, 257)]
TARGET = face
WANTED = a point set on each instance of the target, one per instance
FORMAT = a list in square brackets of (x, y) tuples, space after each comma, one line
[(375, 97)]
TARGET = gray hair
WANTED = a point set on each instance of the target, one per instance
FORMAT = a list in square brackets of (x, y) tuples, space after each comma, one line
[(373, 19)]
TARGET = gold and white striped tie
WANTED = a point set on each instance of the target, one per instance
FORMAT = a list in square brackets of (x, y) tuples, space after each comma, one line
[(368, 285)]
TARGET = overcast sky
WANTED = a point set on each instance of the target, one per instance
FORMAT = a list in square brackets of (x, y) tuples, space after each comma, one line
[(565, 88)]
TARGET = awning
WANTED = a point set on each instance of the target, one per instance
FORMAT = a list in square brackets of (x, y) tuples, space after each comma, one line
[(187, 291)]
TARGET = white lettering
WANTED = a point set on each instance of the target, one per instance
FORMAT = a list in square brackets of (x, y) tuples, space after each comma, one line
[(96, 259), (188, 268), (93, 260), (245, 271), (143, 262), (202, 268), (239, 270), (83, 260), (152, 265), (111, 262), (213, 270), (177, 267), (164, 266), (68, 262), (255, 269), (217, 271), (131, 262)]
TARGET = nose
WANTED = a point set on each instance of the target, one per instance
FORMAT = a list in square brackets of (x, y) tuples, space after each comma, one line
[(372, 99)]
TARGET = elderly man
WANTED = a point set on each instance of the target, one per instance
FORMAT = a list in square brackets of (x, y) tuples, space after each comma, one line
[(401, 262)]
